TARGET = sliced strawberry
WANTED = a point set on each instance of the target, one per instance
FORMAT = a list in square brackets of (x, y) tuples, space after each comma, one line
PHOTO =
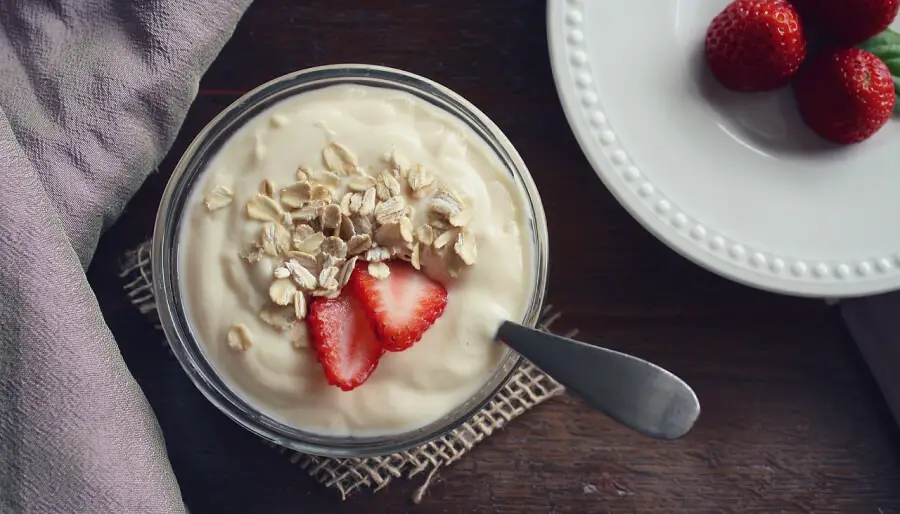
[(344, 341), (401, 307)]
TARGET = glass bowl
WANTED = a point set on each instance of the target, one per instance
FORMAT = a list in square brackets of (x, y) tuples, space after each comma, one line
[(166, 250)]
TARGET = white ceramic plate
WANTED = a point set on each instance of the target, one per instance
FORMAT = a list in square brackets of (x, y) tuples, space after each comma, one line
[(734, 182)]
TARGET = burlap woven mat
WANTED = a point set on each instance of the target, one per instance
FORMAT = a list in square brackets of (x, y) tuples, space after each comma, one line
[(527, 388)]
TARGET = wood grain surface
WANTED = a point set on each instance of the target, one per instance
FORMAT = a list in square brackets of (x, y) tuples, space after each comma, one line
[(792, 421)]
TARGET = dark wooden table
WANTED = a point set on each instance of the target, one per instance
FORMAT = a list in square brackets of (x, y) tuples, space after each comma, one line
[(792, 421)]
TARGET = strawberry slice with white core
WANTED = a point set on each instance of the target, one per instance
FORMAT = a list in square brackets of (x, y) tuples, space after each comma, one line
[(400, 307), (344, 341)]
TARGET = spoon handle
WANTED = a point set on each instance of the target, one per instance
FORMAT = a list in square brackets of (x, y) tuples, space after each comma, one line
[(632, 391)]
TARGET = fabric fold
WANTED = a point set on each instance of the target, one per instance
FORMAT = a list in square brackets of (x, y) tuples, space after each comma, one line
[(93, 94), (874, 323)]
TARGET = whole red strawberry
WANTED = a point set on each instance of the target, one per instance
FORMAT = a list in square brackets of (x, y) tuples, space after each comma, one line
[(848, 22), (755, 45), (845, 95)]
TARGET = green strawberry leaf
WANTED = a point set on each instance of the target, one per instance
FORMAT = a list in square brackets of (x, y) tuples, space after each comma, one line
[(886, 46)]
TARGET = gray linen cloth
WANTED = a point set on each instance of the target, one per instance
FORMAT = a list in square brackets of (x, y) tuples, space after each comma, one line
[(92, 93), (874, 323)]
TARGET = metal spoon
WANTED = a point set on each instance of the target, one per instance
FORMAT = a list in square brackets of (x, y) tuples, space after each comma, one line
[(632, 391)]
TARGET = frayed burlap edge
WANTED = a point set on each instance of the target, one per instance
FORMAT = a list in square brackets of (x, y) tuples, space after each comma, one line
[(527, 388)]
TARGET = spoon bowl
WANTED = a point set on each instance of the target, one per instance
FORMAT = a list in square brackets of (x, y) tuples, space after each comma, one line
[(632, 391)]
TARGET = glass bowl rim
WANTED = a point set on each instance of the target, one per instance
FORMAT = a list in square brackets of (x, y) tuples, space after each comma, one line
[(165, 241)]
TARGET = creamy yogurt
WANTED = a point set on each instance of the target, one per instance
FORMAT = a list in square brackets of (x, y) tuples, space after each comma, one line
[(409, 389)]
